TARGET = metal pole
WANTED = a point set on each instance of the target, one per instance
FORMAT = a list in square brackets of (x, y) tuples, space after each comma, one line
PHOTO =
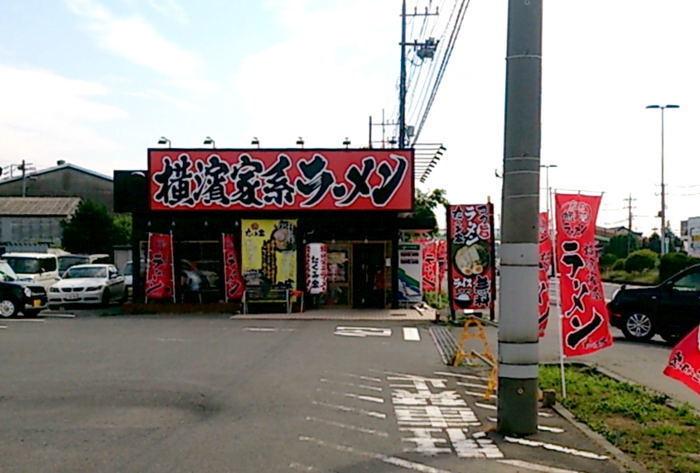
[(370, 132), (518, 331), (402, 84), (663, 190), (24, 178)]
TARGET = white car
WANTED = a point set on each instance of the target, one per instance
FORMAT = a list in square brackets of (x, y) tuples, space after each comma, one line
[(88, 284)]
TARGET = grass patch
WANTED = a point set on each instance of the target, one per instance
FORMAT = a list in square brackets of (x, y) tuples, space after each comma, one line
[(635, 420), (649, 276)]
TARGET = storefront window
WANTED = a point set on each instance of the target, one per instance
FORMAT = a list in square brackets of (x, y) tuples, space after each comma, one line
[(199, 271)]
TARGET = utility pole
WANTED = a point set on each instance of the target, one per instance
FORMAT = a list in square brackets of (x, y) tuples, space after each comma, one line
[(23, 168), (518, 333), (629, 222)]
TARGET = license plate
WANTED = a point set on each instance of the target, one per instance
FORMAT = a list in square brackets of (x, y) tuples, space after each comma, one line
[(72, 297), (37, 302)]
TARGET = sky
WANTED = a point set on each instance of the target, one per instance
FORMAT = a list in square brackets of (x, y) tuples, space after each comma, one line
[(97, 82)]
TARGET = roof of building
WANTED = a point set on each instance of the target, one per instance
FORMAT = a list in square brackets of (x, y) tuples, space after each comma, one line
[(58, 168), (36, 206)]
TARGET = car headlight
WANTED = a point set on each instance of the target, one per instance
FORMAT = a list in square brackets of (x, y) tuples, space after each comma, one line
[(27, 292), (94, 288)]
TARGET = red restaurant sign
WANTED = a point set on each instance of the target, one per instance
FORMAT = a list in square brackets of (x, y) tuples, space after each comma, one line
[(584, 313), (160, 277), (294, 179), (235, 286)]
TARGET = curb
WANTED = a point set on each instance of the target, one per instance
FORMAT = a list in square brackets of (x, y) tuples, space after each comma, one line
[(618, 457)]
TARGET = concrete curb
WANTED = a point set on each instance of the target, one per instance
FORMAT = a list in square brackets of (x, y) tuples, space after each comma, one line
[(618, 457)]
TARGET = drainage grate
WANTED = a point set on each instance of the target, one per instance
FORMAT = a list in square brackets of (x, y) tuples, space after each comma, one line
[(445, 343)]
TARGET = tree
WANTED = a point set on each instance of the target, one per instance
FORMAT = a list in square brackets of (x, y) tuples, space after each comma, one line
[(426, 203), (653, 243), (640, 260), (91, 229), (619, 244), (123, 226)]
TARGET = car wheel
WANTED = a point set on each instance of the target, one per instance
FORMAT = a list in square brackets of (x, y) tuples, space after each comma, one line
[(8, 308), (105, 298), (638, 326)]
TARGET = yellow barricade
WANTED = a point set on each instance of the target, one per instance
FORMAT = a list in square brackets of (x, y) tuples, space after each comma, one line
[(474, 329)]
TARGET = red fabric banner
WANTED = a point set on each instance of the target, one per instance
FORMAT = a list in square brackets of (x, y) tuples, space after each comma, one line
[(583, 310), (471, 267), (160, 274), (274, 180), (434, 253), (545, 267), (684, 363), (235, 286)]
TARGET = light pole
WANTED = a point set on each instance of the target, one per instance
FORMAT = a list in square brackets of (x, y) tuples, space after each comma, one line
[(663, 184), (209, 141), (164, 141)]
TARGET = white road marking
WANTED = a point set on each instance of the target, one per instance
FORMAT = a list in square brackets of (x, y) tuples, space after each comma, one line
[(410, 334), (345, 383), (464, 376), (40, 321), (3, 326), (485, 406), (362, 331), (164, 339), (481, 395), (364, 378), (59, 316), (555, 448), (536, 467), (554, 430), (396, 461), (364, 430), (300, 467), (473, 385), (361, 397), (377, 415)]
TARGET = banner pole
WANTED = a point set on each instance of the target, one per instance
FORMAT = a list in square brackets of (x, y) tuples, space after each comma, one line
[(148, 268), (172, 265), (561, 347)]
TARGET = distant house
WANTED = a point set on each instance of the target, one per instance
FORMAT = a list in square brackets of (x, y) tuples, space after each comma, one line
[(603, 234), (33, 223), (62, 180)]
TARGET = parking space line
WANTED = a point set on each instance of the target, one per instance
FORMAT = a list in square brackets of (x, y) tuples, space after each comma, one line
[(59, 316), (410, 334), (25, 320)]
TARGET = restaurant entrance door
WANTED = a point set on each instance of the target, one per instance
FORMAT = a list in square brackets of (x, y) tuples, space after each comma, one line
[(368, 277)]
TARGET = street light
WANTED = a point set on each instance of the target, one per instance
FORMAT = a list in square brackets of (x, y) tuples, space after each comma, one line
[(255, 142), (346, 142), (663, 184), (164, 141), (209, 141), (300, 142)]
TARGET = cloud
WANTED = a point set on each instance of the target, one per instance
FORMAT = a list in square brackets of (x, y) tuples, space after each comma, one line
[(162, 96), (170, 9), (137, 41), (45, 115)]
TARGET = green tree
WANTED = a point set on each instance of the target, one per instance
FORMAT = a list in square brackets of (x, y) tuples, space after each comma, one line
[(640, 260), (90, 230), (426, 203), (652, 243), (619, 244), (122, 229)]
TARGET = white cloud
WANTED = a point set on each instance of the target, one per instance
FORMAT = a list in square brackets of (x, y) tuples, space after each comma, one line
[(45, 115), (162, 96), (169, 8), (137, 41)]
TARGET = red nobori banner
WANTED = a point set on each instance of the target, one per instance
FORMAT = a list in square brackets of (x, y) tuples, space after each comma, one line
[(684, 363), (471, 271), (160, 274), (189, 179), (235, 286), (545, 267), (434, 262), (316, 268), (584, 314)]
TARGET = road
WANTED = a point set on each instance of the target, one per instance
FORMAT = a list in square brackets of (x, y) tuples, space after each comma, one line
[(209, 394)]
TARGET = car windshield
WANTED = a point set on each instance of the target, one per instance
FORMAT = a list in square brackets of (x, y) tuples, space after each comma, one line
[(6, 272), (128, 269), (689, 282), (65, 262), (86, 272), (24, 265)]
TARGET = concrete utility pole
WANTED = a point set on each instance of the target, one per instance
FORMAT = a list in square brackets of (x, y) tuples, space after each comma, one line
[(629, 223), (517, 335), (402, 80)]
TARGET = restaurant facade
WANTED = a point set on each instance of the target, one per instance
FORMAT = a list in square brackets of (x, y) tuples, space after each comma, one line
[(276, 208)]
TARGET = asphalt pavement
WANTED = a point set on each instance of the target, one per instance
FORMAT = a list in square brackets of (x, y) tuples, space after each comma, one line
[(209, 394)]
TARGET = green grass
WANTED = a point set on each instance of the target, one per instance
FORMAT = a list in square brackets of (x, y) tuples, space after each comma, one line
[(635, 420)]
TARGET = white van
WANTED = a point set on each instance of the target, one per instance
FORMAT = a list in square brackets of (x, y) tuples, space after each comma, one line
[(40, 268)]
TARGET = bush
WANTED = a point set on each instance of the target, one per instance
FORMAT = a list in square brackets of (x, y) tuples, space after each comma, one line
[(671, 263), (640, 260), (618, 265), (607, 260)]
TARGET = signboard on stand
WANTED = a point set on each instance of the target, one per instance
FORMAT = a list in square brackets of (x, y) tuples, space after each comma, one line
[(269, 252), (410, 272), (316, 259)]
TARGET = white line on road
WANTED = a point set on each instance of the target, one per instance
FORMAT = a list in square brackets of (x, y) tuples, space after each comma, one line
[(543, 428), (267, 329), (465, 376), (410, 334), (364, 430), (40, 321), (361, 397), (59, 316), (481, 395), (362, 331), (472, 385), (364, 378), (536, 466), (555, 448), (396, 461), (345, 383), (3, 326), (339, 407), (300, 467), (485, 406)]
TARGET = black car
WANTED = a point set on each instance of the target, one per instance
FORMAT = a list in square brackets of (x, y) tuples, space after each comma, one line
[(19, 297), (670, 309)]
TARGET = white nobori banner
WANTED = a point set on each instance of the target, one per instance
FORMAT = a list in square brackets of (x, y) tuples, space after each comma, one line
[(316, 268)]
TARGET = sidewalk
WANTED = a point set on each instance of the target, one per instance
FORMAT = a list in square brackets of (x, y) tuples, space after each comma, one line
[(388, 315)]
